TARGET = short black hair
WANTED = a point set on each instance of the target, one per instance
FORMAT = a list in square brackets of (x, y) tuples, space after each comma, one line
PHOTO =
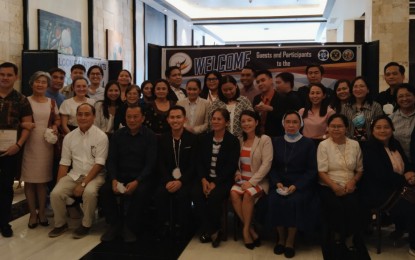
[(406, 86), (266, 72), (169, 70), (315, 65), (95, 67), (249, 68), (78, 66), (10, 65), (177, 107), (286, 77), (132, 106), (56, 69), (393, 63), (195, 80)]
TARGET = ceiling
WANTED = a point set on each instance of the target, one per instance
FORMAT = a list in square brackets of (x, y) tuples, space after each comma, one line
[(266, 21)]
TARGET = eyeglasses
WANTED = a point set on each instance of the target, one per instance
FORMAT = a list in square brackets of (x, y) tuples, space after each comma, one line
[(336, 126), (212, 79)]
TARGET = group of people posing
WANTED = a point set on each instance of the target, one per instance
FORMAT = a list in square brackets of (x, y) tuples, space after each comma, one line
[(314, 155)]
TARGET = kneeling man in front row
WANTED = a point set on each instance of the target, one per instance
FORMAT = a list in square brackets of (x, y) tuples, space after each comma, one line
[(86, 149)]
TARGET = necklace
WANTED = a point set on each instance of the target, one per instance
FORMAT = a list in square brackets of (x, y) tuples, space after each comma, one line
[(285, 155)]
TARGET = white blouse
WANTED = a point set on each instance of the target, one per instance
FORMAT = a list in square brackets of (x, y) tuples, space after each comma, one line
[(341, 162)]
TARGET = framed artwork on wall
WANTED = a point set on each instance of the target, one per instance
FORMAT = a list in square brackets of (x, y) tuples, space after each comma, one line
[(115, 47), (60, 33)]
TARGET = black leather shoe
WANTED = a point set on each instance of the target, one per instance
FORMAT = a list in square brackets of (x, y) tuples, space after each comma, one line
[(289, 252), (216, 241), (205, 238), (279, 249), (6, 231)]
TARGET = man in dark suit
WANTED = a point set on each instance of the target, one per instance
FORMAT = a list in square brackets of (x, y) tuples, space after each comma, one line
[(272, 105), (176, 166), (131, 160), (174, 77)]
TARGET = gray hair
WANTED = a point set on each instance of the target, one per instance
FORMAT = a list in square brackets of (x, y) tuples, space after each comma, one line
[(39, 74)]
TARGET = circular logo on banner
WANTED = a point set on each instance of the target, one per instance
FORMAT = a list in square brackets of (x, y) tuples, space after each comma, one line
[(335, 55), (323, 55), (348, 55), (181, 60)]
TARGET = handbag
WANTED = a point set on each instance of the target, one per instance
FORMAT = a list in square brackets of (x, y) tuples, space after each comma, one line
[(57, 147), (408, 193)]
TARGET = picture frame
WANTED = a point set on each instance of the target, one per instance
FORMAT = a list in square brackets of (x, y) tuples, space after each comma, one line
[(60, 33)]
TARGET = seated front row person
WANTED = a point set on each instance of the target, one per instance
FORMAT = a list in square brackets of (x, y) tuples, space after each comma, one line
[(387, 171), (86, 149), (251, 182), (340, 167), (218, 162), (177, 154), (131, 160), (292, 199)]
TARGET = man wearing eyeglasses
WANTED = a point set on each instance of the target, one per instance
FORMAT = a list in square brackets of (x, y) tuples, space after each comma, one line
[(86, 149)]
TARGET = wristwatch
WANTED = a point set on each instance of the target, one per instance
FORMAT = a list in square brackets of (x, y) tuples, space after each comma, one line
[(83, 184)]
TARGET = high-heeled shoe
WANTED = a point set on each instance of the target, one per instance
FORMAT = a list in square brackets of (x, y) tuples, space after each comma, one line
[(216, 241), (32, 225), (257, 242), (253, 233), (250, 246)]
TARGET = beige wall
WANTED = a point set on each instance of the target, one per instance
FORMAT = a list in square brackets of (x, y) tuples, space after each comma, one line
[(388, 22), (11, 33), (115, 15)]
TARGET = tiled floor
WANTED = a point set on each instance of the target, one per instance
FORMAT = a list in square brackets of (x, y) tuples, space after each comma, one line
[(231, 250), (35, 244)]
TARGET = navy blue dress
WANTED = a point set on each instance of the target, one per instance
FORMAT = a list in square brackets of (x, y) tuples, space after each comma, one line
[(294, 164)]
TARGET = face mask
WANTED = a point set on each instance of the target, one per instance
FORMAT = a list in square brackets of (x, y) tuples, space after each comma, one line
[(359, 120)]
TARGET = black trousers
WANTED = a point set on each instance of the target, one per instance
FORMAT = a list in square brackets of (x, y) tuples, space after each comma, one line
[(8, 169), (404, 213), (132, 204), (177, 203), (342, 213), (209, 209)]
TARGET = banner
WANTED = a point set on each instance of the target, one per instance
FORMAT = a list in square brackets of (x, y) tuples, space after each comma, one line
[(339, 61), (65, 62)]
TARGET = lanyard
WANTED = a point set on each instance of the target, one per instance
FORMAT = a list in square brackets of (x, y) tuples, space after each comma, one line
[(176, 156)]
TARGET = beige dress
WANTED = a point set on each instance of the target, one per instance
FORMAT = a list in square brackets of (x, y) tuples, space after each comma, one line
[(38, 154)]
